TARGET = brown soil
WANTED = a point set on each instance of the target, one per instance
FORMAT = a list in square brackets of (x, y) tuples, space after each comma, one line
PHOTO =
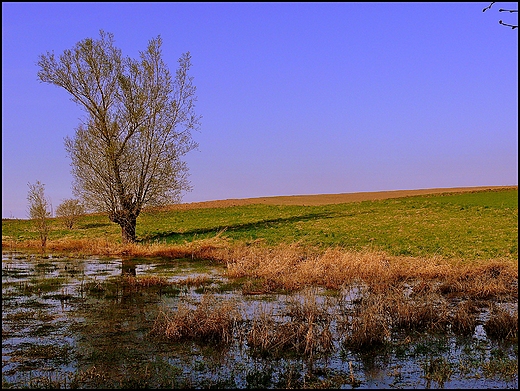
[(323, 199)]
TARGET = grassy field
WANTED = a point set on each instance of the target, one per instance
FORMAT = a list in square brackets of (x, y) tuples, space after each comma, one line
[(470, 226)]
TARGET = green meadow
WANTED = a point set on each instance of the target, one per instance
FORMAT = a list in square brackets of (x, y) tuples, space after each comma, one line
[(471, 225)]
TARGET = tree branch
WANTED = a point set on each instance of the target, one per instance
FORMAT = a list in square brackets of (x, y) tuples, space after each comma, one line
[(513, 26), (489, 6), (508, 25)]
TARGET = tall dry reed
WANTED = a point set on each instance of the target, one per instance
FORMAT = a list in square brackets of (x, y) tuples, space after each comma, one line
[(484, 280)]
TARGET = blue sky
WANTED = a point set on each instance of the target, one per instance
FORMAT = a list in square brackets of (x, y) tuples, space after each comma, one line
[(295, 98)]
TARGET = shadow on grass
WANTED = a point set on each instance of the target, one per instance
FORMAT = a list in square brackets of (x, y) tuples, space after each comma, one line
[(93, 225), (176, 237)]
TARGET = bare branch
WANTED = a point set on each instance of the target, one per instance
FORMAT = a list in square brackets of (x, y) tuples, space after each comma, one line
[(513, 26), (489, 6), (508, 25)]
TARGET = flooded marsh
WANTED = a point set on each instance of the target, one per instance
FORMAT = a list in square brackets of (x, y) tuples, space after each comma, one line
[(162, 323)]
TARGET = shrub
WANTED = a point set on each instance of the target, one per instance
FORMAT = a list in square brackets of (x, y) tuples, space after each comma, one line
[(70, 210)]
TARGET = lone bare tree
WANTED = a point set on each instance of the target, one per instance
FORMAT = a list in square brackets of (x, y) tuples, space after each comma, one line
[(39, 210), (70, 210), (126, 154)]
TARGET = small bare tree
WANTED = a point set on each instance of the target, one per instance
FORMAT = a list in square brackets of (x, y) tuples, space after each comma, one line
[(39, 210), (70, 210)]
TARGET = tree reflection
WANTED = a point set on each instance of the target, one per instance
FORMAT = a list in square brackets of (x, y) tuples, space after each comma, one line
[(128, 268)]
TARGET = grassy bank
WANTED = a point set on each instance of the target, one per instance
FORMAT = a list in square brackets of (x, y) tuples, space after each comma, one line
[(470, 226)]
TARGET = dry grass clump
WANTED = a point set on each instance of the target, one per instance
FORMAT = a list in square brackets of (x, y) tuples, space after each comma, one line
[(312, 322), (292, 267), (213, 249), (463, 320), (256, 287), (489, 279), (145, 281), (501, 323), (428, 311), (376, 315), (422, 287), (195, 281), (199, 249), (307, 330), (304, 307), (265, 336), (278, 264), (369, 327), (96, 246), (210, 321)]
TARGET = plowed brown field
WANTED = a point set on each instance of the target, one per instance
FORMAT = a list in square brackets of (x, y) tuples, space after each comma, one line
[(323, 199)]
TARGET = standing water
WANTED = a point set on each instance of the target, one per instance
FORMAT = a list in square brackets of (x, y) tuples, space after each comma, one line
[(156, 323)]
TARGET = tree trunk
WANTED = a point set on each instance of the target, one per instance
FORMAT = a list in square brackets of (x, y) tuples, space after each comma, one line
[(43, 239), (127, 221), (128, 230)]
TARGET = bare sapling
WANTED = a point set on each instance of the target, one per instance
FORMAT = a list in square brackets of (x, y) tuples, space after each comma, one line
[(39, 210)]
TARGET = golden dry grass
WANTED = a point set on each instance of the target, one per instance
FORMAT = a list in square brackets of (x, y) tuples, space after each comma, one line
[(484, 280), (210, 321), (427, 311), (502, 323), (146, 281), (369, 326), (292, 267), (464, 318), (206, 249), (306, 328), (195, 281)]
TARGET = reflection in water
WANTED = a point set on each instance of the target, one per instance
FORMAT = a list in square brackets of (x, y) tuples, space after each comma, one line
[(87, 323), (128, 268)]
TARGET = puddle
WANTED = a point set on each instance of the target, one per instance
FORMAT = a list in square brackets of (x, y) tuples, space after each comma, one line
[(92, 323)]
